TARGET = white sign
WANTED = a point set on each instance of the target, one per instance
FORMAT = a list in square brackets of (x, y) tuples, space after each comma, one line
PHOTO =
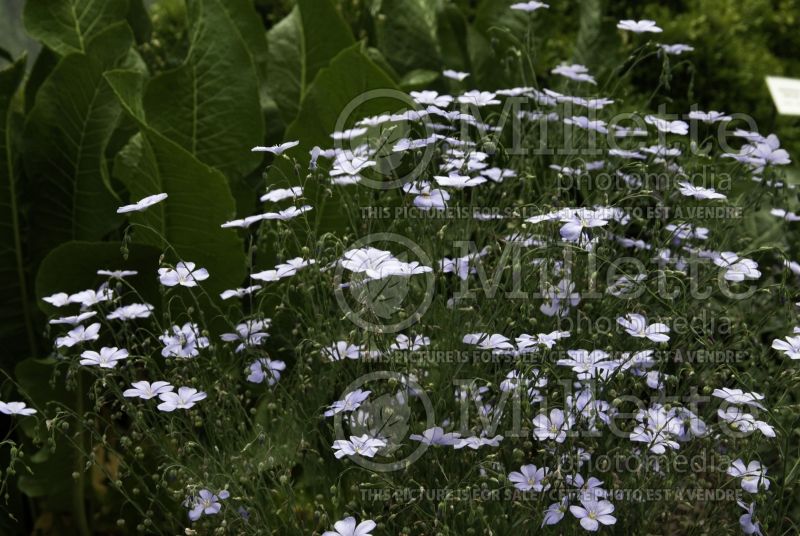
[(785, 93)]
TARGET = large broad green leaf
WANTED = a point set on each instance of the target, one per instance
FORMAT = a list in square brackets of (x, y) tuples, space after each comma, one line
[(199, 199), (51, 477), (51, 471), (452, 37), (325, 34), (377, 57), (596, 42), (46, 60), (496, 41), (591, 22), (210, 104), (68, 26), (72, 267), (405, 31), (65, 136), (16, 325), (299, 46), (350, 76), (139, 21), (285, 66), (498, 14), (489, 68), (250, 28)]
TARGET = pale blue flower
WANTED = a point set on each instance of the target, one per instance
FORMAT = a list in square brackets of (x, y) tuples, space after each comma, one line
[(142, 204)]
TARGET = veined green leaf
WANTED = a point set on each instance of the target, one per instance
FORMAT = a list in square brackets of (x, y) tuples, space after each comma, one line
[(250, 28), (299, 46), (405, 31), (376, 56), (73, 266), (65, 137), (452, 37), (210, 104), (350, 76), (199, 197), (325, 34), (494, 39), (498, 13), (596, 42), (285, 66), (68, 26)]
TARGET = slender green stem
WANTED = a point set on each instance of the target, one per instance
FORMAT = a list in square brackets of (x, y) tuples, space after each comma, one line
[(79, 497)]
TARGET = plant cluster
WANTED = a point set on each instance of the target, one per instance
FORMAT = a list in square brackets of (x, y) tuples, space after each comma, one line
[(429, 307)]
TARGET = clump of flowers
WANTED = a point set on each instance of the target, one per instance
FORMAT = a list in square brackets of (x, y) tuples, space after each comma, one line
[(333, 375)]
